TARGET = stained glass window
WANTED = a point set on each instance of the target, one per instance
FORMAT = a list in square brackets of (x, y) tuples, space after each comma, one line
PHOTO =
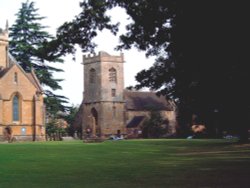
[(15, 108)]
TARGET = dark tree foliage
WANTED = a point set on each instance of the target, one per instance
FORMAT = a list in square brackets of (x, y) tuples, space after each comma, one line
[(200, 49), (56, 103), (28, 45), (153, 126), (82, 29), (54, 128), (70, 118)]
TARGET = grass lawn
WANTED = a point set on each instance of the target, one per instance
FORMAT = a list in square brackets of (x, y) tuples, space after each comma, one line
[(126, 163)]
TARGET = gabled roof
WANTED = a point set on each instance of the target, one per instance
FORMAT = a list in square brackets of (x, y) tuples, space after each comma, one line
[(11, 63), (4, 71), (135, 122), (139, 101), (31, 76)]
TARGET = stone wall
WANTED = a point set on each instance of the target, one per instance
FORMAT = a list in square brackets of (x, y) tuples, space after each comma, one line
[(98, 95), (31, 107)]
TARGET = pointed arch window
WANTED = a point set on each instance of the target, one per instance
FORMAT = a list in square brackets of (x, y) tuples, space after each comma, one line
[(112, 75), (16, 108), (92, 76)]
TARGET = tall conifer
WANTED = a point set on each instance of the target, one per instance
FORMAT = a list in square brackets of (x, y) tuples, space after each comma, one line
[(28, 44)]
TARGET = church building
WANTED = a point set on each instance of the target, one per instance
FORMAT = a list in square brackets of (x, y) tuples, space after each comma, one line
[(108, 109), (22, 111)]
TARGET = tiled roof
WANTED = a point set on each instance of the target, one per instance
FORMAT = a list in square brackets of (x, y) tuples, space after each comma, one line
[(135, 122), (139, 101), (4, 71), (11, 63)]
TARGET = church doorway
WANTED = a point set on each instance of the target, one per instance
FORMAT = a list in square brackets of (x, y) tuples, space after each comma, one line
[(95, 128), (119, 133)]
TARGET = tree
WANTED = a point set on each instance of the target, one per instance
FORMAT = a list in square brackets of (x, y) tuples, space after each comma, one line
[(201, 58), (82, 29), (28, 45), (153, 126), (70, 119), (62, 122), (205, 62), (55, 129)]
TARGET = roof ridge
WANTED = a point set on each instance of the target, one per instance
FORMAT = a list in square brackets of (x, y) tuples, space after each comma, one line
[(13, 62)]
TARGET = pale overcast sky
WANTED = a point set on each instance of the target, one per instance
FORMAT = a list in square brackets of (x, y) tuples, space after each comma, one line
[(56, 13)]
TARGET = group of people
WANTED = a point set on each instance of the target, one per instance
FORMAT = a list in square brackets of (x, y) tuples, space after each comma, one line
[(118, 136)]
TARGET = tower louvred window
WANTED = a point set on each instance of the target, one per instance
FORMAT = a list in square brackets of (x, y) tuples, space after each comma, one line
[(92, 76), (112, 75)]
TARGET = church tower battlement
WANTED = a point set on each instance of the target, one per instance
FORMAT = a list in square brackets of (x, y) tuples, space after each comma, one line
[(103, 78), (103, 94), (102, 57), (4, 44)]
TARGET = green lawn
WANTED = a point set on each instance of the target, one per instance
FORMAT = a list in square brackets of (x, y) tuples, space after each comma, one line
[(130, 163)]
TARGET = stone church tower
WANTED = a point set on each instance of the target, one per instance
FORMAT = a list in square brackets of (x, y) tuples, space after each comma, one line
[(103, 101), (4, 47)]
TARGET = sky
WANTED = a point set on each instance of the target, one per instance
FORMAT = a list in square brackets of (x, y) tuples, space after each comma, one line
[(59, 11)]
